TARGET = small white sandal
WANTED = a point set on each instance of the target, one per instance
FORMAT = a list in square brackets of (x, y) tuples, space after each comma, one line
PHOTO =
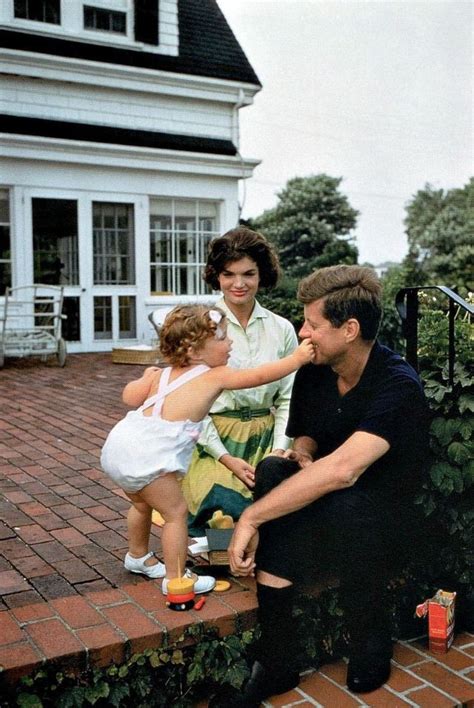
[(137, 565)]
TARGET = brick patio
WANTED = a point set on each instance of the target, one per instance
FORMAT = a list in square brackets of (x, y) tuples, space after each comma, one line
[(64, 592)]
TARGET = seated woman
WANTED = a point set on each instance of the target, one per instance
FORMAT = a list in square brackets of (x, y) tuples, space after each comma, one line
[(243, 426)]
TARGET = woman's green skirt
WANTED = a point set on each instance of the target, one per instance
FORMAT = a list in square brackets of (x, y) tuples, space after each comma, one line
[(209, 485)]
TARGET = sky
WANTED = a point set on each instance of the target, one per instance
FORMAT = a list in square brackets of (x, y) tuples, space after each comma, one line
[(378, 92)]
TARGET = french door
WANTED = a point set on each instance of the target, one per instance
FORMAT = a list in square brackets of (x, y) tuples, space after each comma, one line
[(88, 246)]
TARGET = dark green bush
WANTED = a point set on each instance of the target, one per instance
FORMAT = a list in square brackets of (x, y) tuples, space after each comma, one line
[(157, 678), (448, 495), (282, 301)]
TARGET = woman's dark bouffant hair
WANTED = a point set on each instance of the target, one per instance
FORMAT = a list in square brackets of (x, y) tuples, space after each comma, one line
[(186, 326), (239, 243)]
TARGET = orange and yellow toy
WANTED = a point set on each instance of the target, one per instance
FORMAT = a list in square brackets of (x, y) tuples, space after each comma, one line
[(180, 595)]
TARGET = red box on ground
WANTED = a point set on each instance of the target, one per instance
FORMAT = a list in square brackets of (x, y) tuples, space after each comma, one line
[(440, 611)]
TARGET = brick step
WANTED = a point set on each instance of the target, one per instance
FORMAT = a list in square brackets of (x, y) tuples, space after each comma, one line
[(98, 628)]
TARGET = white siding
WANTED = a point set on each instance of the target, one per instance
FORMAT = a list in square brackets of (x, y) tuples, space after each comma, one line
[(113, 181), (55, 100)]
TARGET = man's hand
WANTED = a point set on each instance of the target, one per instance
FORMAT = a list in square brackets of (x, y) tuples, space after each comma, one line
[(242, 548), (278, 452), (302, 458), (241, 469)]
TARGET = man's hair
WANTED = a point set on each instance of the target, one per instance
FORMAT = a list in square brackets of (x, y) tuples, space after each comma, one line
[(239, 243), (185, 326), (347, 291)]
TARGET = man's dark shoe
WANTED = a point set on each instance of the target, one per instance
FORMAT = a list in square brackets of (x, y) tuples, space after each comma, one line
[(363, 677), (261, 684)]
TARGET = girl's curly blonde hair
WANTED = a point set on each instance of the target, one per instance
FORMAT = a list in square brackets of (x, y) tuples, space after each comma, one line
[(186, 326)]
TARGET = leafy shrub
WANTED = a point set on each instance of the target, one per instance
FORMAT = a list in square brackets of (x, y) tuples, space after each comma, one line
[(448, 496), (157, 678), (282, 301), (446, 554)]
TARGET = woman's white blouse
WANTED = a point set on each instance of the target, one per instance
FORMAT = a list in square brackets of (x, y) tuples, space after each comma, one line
[(267, 337)]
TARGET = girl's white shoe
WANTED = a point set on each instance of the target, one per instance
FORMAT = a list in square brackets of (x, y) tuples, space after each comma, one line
[(202, 583), (137, 565)]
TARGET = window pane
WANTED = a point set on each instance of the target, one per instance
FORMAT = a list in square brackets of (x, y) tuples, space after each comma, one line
[(55, 241), (188, 280), (113, 244), (21, 8), (5, 249), (71, 326), (180, 231), (102, 20), (4, 210), (187, 245), (4, 206), (162, 207), (208, 209), (185, 208), (105, 20), (127, 317), (52, 12), (161, 247), (204, 245), (5, 243), (5, 277), (161, 280), (102, 317), (38, 10), (118, 22)]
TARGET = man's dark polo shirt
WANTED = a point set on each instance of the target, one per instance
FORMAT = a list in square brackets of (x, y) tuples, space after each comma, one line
[(388, 401)]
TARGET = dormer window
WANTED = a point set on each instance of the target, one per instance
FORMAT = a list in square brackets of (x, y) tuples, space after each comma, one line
[(39, 10), (103, 20), (149, 26)]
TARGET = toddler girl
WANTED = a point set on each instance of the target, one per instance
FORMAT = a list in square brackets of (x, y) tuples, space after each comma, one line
[(148, 451)]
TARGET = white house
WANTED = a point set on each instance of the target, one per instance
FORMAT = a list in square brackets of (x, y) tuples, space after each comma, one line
[(119, 154)]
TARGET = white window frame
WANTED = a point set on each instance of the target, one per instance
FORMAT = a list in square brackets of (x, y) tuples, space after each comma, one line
[(195, 267), (94, 5), (38, 22), (118, 232), (72, 24)]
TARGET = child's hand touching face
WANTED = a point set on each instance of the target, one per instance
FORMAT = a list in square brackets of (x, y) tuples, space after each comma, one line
[(305, 352)]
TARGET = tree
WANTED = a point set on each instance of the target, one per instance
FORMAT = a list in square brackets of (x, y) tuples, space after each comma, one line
[(440, 231), (310, 225)]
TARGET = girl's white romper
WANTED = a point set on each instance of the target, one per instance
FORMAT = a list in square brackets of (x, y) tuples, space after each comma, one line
[(141, 448)]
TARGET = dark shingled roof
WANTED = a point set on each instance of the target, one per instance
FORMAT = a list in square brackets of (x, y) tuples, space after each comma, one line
[(207, 47)]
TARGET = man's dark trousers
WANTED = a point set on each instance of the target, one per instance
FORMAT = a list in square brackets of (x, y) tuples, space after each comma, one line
[(345, 533)]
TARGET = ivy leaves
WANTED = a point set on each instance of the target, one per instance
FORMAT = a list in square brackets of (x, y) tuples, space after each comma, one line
[(160, 677)]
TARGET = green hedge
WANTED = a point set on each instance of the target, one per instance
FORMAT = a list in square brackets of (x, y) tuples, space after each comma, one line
[(176, 676), (448, 495), (162, 677)]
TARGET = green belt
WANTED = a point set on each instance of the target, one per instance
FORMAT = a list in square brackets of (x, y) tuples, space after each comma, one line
[(245, 414)]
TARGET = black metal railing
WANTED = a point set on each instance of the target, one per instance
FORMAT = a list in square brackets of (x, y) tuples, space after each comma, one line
[(406, 302)]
